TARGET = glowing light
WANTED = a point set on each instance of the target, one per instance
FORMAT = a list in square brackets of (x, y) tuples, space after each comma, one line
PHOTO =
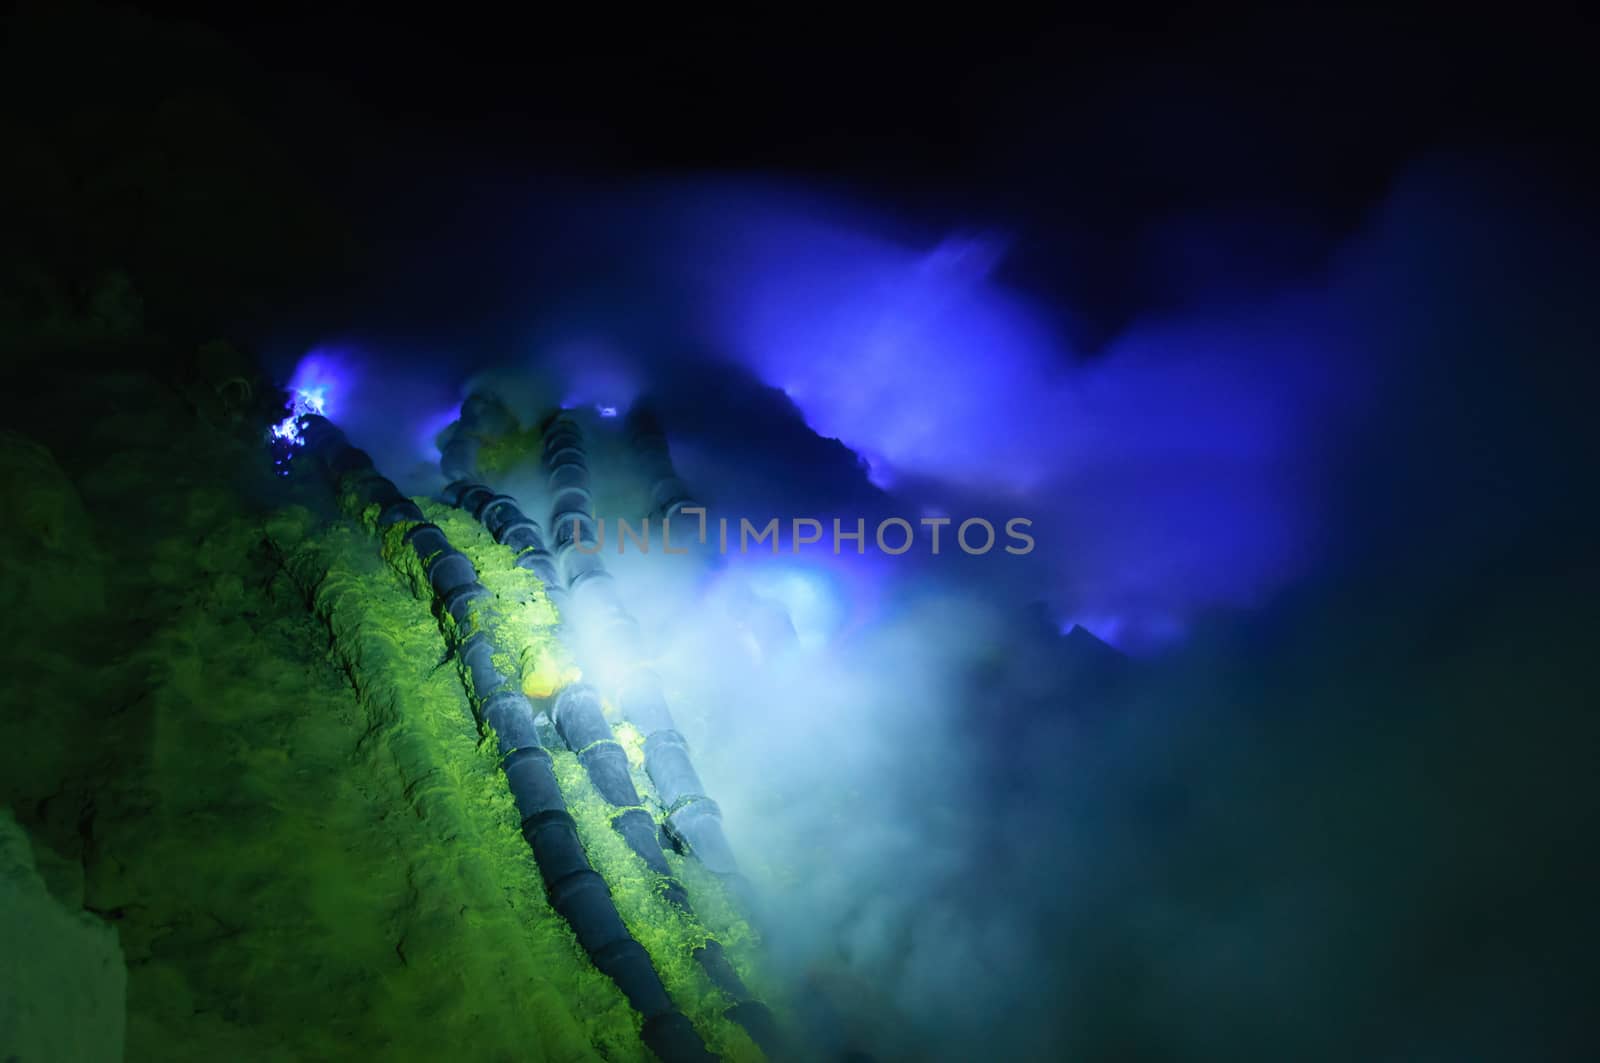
[(598, 373), (926, 364), (607, 411), (429, 437), (878, 471), (310, 392), (302, 403), (320, 376), (1134, 633)]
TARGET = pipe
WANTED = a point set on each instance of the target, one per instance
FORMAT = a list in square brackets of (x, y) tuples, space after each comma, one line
[(581, 723), (693, 820), (501, 517), (668, 492), (575, 889), (576, 712), (768, 621)]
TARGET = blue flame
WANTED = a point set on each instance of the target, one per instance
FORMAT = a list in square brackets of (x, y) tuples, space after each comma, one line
[(320, 375), (310, 390), (1183, 466), (302, 403), (288, 433)]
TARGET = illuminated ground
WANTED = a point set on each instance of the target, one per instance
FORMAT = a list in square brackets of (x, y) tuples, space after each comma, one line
[(292, 869)]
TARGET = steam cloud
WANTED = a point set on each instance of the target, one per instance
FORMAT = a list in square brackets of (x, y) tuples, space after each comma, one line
[(1252, 845)]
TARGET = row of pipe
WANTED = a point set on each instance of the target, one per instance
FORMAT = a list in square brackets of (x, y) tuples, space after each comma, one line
[(608, 633), (767, 620), (576, 891), (576, 711), (573, 520)]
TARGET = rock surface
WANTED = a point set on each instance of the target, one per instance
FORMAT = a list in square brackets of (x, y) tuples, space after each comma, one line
[(63, 984)]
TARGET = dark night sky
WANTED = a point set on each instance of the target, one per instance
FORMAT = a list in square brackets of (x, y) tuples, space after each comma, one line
[(1079, 129), (1328, 96)]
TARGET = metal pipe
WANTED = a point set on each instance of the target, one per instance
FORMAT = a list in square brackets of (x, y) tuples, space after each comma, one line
[(668, 492), (693, 820), (575, 889), (575, 711), (577, 714)]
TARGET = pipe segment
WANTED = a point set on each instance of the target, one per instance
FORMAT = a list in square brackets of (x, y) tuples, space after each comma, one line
[(576, 712), (510, 527), (582, 725), (572, 510), (668, 492), (697, 818), (693, 820), (575, 889)]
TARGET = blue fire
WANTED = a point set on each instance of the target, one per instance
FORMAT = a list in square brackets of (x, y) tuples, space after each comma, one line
[(287, 434), (302, 403), (310, 390), (1181, 466)]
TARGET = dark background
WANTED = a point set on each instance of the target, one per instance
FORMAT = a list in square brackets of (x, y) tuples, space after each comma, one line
[(1080, 132)]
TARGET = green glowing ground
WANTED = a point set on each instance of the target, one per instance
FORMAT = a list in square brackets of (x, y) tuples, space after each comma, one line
[(524, 629), (286, 814)]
